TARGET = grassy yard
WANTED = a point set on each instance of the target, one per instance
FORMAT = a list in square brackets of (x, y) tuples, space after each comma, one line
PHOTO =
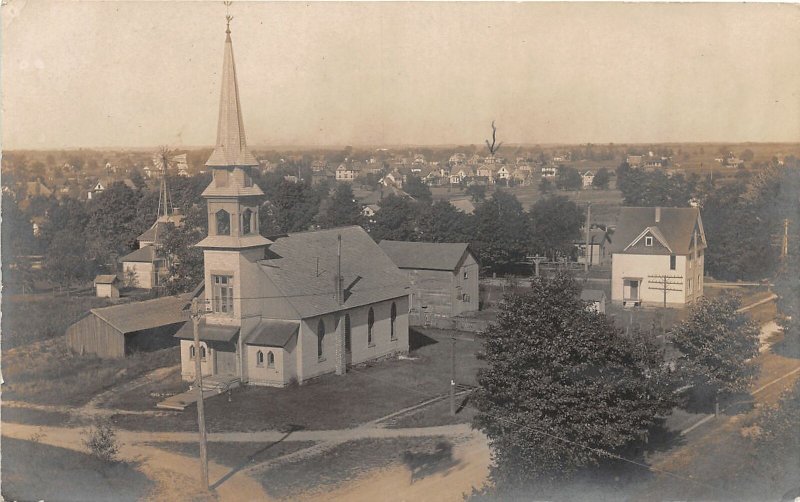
[(47, 372), (32, 318), (366, 393), (236, 455), (34, 471), (347, 462)]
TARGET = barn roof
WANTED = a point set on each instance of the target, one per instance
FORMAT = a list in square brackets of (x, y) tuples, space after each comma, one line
[(675, 226), (425, 255), (149, 314), (302, 266)]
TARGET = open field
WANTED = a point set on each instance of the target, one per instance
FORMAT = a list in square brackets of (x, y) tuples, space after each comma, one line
[(30, 318), (47, 372), (367, 392), (34, 471)]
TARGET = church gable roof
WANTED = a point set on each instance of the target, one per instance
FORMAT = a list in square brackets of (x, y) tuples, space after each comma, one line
[(302, 266)]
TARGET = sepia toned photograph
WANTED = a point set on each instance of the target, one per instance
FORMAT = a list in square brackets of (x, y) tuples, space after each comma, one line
[(399, 251)]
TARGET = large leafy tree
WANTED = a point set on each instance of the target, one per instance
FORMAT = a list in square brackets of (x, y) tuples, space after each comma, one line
[(555, 225), (112, 227), (441, 222), (417, 189), (396, 220), (563, 387), (291, 207), (66, 259), (718, 344), (568, 178), (601, 178), (184, 259), (340, 209), (501, 232)]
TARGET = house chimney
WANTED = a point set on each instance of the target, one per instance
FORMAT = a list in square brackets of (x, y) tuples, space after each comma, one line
[(658, 215)]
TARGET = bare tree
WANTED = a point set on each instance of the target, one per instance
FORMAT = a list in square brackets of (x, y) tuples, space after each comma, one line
[(494, 146)]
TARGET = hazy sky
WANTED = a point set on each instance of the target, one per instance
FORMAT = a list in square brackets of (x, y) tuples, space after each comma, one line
[(98, 74)]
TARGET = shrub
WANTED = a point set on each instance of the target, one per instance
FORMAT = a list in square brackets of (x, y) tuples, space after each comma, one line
[(101, 441)]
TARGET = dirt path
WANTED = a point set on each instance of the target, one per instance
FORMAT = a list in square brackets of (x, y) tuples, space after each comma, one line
[(395, 483), (173, 473), (157, 374)]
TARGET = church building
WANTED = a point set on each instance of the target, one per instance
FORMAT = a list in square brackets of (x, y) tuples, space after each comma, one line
[(292, 307)]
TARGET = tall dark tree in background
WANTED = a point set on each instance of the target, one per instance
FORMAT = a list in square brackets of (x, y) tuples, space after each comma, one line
[(501, 232), (476, 192), (112, 227), (568, 178), (555, 225), (184, 259), (441, 222), (396, 220), (292, 208), (340, 209), (414, 187), (66, 260), (562, 385), (601, 179)]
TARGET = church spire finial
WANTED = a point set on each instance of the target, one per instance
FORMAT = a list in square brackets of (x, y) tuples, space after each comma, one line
[(228, 18)]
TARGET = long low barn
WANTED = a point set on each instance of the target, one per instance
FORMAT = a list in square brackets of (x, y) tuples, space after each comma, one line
[(120, 330)]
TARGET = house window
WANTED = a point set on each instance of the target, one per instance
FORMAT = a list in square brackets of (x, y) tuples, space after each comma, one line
[(672, 262), (222, 302), (689, 286), (270, 359), (466, 274), (247, 217), (370, 325), (320, 338), (648, 241), (223, 222), (393, 318), (202, 353), (259, 359)]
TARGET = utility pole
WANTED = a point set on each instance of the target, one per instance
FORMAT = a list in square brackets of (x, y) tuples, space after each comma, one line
[(453, 375), (587, 257), (536, 261), (785, 243), (198, 380), (663, 283)]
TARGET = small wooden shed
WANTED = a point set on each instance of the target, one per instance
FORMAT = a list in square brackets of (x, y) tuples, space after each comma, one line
[(120, 330), (106, 286)]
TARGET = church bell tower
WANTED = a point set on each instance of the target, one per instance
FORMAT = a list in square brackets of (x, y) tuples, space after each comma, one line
[(233, 244)]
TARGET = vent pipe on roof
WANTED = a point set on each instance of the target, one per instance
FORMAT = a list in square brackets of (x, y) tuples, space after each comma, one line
[(658, 215)]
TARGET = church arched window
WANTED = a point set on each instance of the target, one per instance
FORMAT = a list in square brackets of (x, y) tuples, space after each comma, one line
[(247, 217), (370, 325), (270, 359), (320, 338), (223, 222), (259, 358)]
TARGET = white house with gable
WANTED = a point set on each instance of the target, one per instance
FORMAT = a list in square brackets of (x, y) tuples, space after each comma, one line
[(657, 257)]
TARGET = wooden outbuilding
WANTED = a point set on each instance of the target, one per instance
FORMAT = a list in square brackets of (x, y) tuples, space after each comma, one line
[(120, 330), (106, 286)]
